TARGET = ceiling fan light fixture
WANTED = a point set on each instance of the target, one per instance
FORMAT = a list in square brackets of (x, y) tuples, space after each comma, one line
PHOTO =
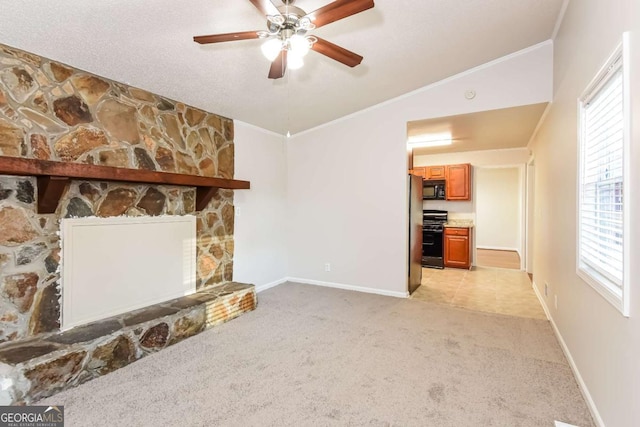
[(271, 48), (299, 45), (294, 61), (286, 35), (276, 19), (305, 24)]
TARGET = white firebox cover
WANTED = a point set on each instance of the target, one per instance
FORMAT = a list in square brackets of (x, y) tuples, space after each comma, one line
[(114, 265)]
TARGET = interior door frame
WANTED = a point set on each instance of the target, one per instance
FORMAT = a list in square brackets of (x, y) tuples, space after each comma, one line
[(530, 214)]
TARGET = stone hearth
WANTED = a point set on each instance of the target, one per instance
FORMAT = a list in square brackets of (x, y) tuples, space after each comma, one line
[(37, 368)]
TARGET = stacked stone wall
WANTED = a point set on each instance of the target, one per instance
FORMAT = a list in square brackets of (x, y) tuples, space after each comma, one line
[(51, 111)]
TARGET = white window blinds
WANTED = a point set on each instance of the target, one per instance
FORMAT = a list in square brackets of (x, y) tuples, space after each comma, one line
[(601, 219)]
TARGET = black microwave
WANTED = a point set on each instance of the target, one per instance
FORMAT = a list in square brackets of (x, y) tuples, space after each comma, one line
[(433, 190)]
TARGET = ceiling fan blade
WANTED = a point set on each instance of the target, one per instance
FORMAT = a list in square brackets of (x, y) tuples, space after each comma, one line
[(278, 66), (265, 7), (336, 52), (337, 10), (227, 37)]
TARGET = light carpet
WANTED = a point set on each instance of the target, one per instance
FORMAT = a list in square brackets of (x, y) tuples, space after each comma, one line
[(314, 356)]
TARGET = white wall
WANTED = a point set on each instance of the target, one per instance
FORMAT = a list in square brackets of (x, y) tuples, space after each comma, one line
[(604, 345), (260, 232), (498, 208), (347, 179)]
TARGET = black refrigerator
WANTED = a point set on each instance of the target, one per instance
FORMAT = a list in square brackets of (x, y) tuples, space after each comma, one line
[(415, 232)]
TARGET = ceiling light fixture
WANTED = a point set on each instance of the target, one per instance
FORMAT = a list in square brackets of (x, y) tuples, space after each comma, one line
[(294, 62), (286, 35), (430, 140), (287, 32), (271, 48)]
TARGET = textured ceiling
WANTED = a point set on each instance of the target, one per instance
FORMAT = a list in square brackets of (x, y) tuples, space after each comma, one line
[(485, 130), (406, 45)]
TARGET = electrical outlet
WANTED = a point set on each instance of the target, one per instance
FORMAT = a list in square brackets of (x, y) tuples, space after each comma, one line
[(237, 211), (327, 266), (555, 301), (546, 289)]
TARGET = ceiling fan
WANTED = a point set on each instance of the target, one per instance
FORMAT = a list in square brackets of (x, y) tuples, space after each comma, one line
[(286, 38)]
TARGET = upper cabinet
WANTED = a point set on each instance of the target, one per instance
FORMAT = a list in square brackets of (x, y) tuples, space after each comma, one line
[(435, 172), (458, 182), (429, 172), (457, 179), (420, 171)]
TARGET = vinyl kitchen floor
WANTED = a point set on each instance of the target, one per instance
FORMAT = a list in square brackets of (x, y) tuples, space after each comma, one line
[(492, 290)]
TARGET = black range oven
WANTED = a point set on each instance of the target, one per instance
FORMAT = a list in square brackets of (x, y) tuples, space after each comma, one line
[(432, 238)]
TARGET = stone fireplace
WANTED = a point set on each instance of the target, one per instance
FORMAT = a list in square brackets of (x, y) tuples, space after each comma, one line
[(50, 111)]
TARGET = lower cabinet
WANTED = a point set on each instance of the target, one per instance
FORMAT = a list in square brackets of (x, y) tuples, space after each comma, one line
[(457, 247)]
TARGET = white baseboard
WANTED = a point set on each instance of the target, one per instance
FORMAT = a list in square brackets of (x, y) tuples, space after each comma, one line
[(542, 301), (581, 384), (271, 285), (331, 285), (498, 248), (350, 287)]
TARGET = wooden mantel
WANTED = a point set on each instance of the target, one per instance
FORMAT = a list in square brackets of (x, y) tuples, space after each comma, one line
[(54, 176)]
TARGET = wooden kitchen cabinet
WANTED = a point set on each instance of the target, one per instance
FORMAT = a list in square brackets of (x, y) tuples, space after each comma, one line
[(420, 171), (458, 182), (457, 179), (457, 247), (435, 172), (429, 172)]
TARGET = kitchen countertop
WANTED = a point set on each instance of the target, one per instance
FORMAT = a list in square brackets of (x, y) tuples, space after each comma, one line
[(459, 223)]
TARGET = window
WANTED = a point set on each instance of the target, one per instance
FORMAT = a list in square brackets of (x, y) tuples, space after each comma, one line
[(602, 187)]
